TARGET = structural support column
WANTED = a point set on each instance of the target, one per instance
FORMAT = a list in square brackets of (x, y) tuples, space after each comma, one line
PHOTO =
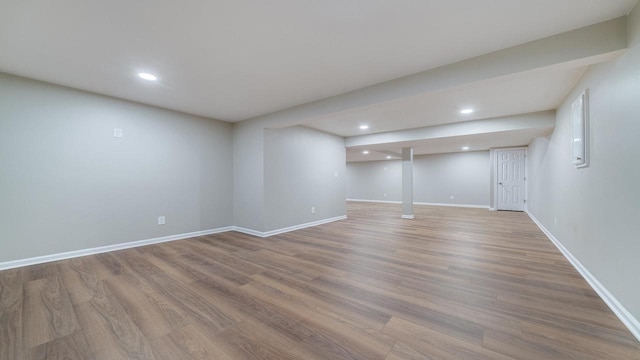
[(407, 183)]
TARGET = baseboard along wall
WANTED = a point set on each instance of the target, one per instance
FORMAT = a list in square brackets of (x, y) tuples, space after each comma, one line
[(107, 248), (421, 203), (102, 249), (618, 309)]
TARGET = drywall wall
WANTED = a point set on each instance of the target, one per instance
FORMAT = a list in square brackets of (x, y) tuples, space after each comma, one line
[(248, 176), (463, 175), (437, 177), (303, 168), (66, 183), (375, 180), (594, 211)]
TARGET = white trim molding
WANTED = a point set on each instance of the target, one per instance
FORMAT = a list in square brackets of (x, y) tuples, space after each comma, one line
[(102, 249), (421, 203), (453, 205), (248, 231), (376, 201), (618, 309), (407, 217), (107, 248), (264, 234)]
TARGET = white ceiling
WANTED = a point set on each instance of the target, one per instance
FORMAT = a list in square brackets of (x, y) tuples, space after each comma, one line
[(449, 144), (233, 60), (535, 90)]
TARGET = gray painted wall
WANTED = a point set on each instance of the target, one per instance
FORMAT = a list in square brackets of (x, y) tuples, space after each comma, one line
[(252, 205), (66, 183), (300, 168), (594, 211), (463, 175), (371, 180), (248, 176)]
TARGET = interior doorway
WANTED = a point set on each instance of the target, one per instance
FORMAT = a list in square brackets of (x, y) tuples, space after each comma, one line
[(510, 179)]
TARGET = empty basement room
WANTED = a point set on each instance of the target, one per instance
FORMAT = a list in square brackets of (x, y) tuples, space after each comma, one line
[(345, 179)]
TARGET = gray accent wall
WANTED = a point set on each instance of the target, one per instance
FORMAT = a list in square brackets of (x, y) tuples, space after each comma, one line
[(66, 183), (303, 168), (437, 177), (594, 211)]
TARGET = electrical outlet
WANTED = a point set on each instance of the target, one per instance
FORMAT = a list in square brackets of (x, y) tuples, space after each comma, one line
[(161, 220), (117, 132), (555, 220), (451, 197), (313, 209), (336, 174), (385, 195)]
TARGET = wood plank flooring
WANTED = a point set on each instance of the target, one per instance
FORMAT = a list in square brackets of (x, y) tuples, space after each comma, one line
[(454, 283)]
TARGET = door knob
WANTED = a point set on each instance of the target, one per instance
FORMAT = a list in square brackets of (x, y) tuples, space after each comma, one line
[(499, 183)]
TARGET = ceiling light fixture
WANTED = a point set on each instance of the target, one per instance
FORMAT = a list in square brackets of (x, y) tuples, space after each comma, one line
[(465, 148), (389, 157), (466, 111), (147, 76), (364, 127), (366, 152)]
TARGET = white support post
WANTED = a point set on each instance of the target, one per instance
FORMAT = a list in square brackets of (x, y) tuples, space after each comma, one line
[(407, 183)]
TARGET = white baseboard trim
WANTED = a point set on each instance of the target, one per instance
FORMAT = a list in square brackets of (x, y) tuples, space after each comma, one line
[(248, 231), (453, 205), (623, 314), (102, 249), (376, 201), (421, 203), (407, 217), (264, 234)]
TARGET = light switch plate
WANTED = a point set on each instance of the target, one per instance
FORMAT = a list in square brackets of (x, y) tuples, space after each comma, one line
[(117, 132)]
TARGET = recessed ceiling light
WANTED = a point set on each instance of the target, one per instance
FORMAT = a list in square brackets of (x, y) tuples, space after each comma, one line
[(148, 76), (366, 152), (465, 148), (364, 127), (389, 157), (466, 111)]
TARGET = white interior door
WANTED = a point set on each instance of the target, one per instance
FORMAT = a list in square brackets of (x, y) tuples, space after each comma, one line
[(511, 189)]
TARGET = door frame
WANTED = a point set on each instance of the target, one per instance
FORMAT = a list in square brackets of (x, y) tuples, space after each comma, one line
[(494, 184)]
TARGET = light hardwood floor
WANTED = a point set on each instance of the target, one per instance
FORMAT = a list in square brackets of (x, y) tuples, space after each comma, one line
[(454, 283)]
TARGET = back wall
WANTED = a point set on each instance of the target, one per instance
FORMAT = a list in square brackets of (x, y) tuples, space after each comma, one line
[(436, 179)]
